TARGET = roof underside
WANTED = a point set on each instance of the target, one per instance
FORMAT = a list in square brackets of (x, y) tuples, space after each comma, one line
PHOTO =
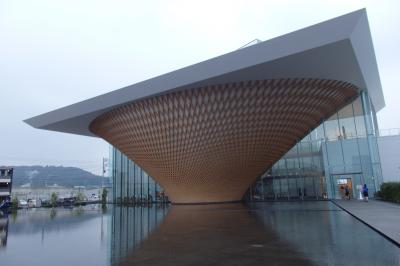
[(337, 49)]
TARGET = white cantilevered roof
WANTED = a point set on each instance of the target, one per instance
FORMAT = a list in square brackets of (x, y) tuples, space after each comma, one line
[(337, 49)]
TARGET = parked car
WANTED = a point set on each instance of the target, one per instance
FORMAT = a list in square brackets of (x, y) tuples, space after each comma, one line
[(94, 197), (22, 204), (33, 203)]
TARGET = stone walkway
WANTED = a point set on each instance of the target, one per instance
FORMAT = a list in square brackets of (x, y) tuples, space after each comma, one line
[(383, 216)]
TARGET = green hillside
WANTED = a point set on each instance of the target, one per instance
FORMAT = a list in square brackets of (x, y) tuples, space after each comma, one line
[(42, 176)]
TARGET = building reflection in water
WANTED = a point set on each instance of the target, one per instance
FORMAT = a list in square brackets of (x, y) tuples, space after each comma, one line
[(325, 234), (132, 225), (3, 229), (211, 234), (281, 233)]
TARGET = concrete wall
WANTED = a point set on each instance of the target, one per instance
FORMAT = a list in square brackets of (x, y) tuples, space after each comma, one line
[(389, 150)]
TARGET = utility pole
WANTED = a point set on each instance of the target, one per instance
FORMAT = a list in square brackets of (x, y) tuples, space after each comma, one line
[(105, 166), (103, 171)]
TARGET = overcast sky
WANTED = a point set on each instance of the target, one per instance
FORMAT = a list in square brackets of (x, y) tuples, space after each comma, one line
[(55, 53)]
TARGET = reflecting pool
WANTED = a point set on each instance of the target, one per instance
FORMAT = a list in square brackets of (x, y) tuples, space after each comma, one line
[(277, 233), (75, 236)]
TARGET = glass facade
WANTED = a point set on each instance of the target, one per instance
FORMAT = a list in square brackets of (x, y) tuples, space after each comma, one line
[(340, 152), (132, 185), (132, 225)]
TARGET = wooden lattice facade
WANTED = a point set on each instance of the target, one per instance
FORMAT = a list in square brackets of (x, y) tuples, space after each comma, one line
[(209, 144)]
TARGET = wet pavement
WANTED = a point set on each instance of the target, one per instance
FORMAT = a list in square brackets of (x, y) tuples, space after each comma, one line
[(326, 235), (273, 233), (383, 216)]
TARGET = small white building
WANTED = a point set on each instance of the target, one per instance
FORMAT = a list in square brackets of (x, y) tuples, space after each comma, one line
[(389, 151), (6, 174)]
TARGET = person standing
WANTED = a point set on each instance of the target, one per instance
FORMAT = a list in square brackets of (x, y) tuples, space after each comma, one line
[(347, 192), (365, 192)]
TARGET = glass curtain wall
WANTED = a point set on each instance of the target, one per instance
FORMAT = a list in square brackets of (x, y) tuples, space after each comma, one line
[(340, 152), (132, 225), (132, 185)]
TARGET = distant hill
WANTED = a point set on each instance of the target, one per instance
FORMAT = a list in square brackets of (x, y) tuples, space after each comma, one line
[(42, 176)]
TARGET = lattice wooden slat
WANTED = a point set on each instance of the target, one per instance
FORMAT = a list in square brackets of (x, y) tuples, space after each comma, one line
[(209, 144)]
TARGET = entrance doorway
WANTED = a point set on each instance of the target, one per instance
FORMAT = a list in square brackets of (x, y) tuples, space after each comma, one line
[(341, 184)]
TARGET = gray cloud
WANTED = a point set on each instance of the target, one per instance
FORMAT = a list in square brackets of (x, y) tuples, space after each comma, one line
[(54, 53)]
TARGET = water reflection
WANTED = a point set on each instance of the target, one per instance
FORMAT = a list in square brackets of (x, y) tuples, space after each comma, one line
[(59, 236), (283, 233), (3, 229), (130, 226), (325, 234), (213, 235)]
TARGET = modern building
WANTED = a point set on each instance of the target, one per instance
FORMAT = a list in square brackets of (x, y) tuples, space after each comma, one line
[(342, 151), (389, 151), (296, 113), (6, 174)]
